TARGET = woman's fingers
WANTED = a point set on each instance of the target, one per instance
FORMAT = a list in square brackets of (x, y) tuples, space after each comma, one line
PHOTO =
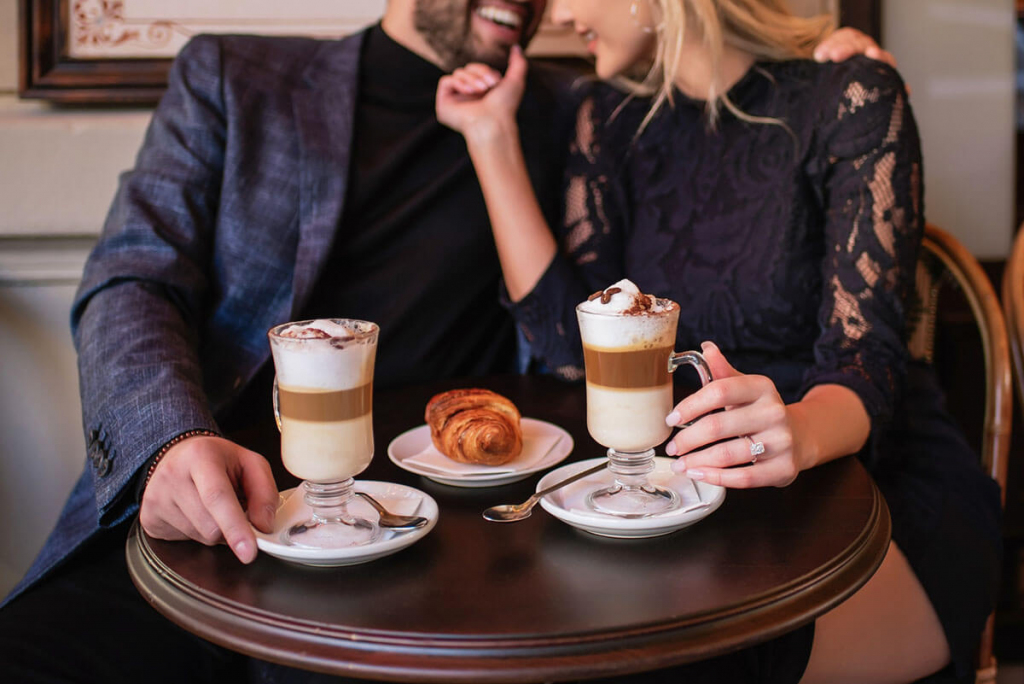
[(720, 394), (481, 72), (877, 53), (774, 472), (724, 454), (721, 425), (461, 83), (842, 44)]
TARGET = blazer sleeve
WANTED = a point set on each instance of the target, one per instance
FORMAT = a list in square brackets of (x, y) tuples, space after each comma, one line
[(135, 318)]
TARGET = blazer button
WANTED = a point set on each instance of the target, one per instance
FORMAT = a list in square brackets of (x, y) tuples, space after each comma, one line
[(103, 467)]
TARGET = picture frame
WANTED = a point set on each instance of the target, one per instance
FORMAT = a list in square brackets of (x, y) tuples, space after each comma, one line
[(119, 51)]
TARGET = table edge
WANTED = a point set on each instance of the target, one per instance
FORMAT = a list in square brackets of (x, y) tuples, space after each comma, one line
[(403, 657)]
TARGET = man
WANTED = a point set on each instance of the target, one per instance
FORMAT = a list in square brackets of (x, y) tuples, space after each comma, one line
[(280, 179)]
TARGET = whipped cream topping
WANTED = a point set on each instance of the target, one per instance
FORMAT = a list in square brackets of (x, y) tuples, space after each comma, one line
[(322, 329), (624, 298), (623, 317), (324, 354)]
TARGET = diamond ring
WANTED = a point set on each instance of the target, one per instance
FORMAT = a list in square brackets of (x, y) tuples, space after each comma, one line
[(756, 449)]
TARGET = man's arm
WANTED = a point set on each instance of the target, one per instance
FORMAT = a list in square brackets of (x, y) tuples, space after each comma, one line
[(139, 310)]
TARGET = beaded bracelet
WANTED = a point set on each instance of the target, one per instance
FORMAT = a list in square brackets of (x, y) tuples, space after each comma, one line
[(167, 447)]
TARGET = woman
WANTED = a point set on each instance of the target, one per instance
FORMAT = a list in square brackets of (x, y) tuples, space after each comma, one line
[(779, 201)]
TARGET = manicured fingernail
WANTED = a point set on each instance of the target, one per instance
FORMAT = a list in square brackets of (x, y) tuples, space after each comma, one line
[(672, 419), (678, 465), (695, 474), (244, 551), (671, 449), (491, 79)]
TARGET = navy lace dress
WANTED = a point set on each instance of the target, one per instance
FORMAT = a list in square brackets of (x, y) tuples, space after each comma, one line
[(791, 242)]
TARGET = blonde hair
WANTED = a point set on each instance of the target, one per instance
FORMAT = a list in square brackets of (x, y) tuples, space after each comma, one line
[(767, 29)]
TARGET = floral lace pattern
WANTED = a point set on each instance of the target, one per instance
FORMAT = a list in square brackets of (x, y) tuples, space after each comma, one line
[(792, 245)]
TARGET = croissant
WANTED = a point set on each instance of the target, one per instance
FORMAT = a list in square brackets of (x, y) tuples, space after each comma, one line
[(475, 426)]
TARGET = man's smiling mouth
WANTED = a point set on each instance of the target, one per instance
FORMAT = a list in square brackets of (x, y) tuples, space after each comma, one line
[(501, 16)]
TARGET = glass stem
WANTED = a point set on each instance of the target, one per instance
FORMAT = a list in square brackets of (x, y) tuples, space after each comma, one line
[(631, 469), (329, 500)]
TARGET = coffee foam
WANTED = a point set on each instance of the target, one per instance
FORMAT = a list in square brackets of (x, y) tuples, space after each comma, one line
[(324, 355), (629, 320), (624, 298)]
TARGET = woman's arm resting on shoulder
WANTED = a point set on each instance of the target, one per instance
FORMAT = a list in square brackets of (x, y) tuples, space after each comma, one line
[(477, 102)]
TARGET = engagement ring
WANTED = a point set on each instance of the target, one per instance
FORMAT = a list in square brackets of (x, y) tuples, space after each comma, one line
[(756, 449)]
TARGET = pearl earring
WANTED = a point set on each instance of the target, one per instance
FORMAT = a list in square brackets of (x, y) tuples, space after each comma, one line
[(634, 14)]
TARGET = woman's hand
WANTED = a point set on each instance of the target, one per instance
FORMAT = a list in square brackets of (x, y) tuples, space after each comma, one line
[(754, 414), (846, 42), (479, 102)]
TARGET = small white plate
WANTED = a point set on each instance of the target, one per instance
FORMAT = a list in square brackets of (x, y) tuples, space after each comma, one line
[(536, 434), (395, 497), (567, 505)]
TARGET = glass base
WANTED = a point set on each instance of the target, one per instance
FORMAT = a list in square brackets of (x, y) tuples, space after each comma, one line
[(331, 526), (330, 534), (633, 502), (632, 495)]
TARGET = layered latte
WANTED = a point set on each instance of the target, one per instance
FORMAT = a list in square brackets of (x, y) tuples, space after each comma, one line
[(325, 397), (628, 337)]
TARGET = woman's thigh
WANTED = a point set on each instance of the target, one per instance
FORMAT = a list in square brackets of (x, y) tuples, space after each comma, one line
[(887, 631)]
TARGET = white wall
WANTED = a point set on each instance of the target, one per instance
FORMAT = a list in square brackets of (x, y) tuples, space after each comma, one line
[(58, 171), (959, 58)]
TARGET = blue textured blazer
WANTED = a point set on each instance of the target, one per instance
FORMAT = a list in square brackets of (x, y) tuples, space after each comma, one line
[(217, 234)]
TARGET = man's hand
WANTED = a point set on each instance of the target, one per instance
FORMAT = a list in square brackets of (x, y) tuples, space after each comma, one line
[(847, 42), (195, 492)]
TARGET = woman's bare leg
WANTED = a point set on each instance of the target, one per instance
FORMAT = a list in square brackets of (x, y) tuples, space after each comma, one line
[(886, 632)]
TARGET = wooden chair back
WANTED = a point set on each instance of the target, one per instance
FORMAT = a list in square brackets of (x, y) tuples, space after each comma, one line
[(945, 263)]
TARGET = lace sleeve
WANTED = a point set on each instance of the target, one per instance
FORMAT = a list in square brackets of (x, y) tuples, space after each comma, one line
[(872, 197), (590, 239)]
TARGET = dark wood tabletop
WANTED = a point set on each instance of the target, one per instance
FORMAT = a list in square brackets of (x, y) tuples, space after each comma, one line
[(538, 600)]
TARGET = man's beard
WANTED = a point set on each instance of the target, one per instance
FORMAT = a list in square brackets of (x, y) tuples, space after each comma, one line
[(445, 25)]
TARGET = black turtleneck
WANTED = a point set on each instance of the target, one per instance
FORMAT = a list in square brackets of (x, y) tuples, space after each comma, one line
[(414, 251)]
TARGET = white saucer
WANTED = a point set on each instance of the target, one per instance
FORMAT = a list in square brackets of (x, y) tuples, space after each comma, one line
[(538, 436), (567, 505), (395, 497)]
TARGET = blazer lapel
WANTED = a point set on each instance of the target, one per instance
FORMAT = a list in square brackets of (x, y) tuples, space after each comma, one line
[(325, 115)]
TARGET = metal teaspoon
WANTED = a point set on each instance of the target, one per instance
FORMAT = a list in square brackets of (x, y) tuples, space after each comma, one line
[(521, 511), (393, 520)]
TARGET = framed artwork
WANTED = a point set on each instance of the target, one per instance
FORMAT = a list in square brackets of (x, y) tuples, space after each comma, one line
[(119, 51)]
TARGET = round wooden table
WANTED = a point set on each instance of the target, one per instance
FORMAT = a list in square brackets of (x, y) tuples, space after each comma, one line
[(537, 600)]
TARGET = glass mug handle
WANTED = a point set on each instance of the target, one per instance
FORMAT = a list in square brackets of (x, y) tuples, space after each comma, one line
[(276, 403), (695, 359)]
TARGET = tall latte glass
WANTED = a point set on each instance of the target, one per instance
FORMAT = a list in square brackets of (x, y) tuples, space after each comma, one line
[(323, 397), (628, 341)]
